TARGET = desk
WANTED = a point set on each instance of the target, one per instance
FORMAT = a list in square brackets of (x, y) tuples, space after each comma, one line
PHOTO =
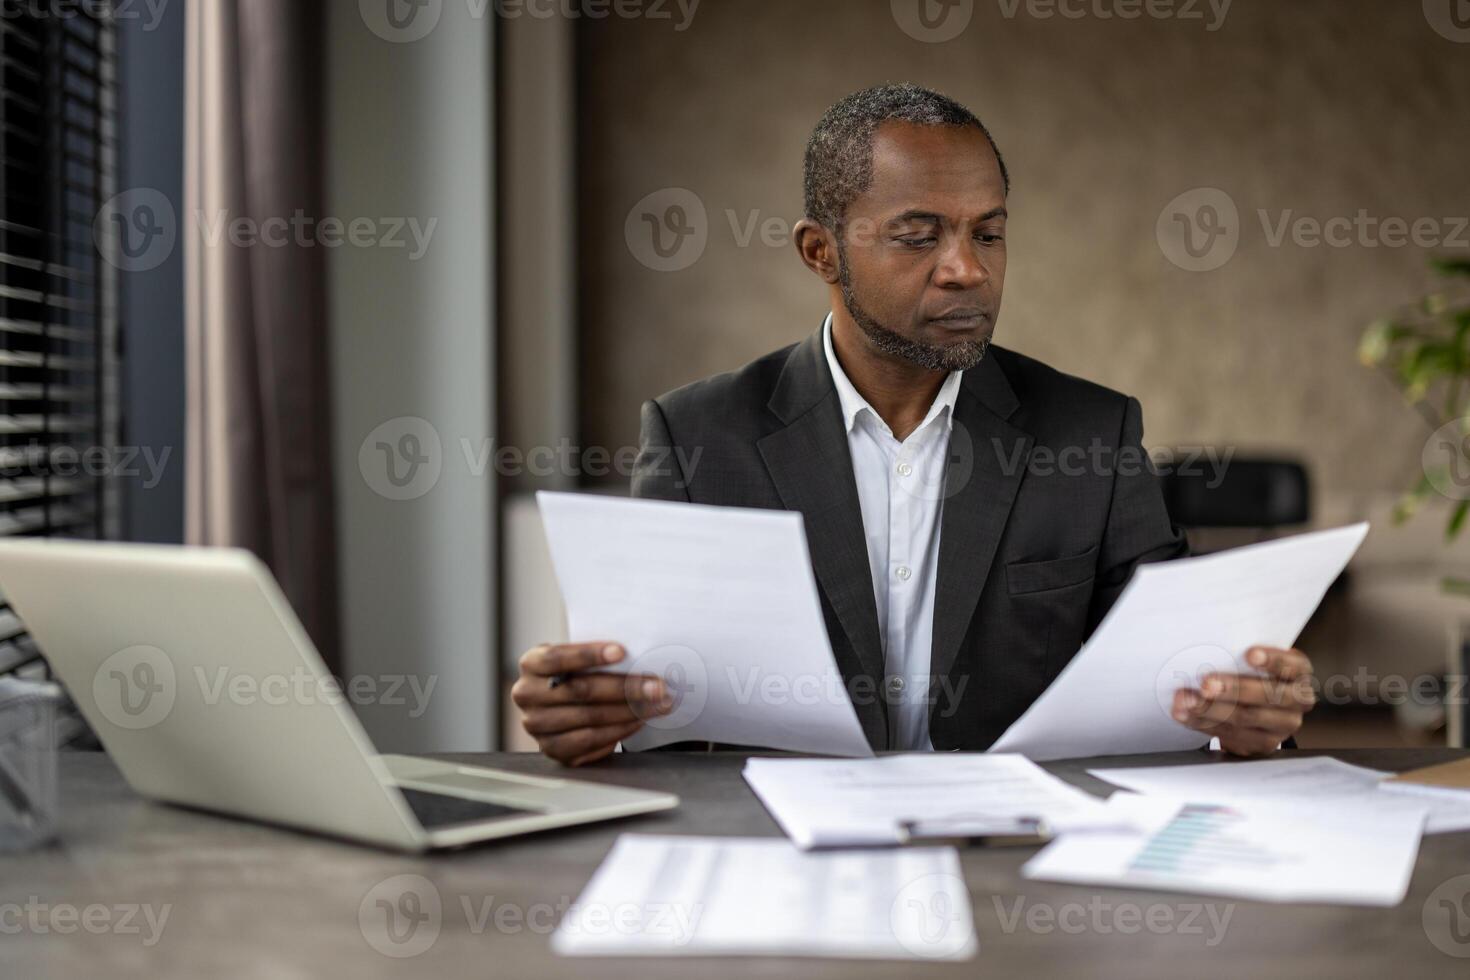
[(254, 902)]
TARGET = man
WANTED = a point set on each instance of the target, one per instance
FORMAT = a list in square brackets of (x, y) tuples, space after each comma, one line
[(971, 513)]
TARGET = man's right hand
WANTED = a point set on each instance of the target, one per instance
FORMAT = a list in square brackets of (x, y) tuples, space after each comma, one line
[(583, 719)]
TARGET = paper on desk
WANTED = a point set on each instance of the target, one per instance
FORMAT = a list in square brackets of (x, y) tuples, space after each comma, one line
[(1268, 851), (1175, 622), (726, 896), (862, 802), (719, 601), (1449, 807), (1312, 779)]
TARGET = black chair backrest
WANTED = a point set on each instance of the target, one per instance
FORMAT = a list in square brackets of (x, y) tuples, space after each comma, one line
[(1257, 493)]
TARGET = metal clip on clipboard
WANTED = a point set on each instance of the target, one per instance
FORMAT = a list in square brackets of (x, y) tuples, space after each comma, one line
[(975, 831)]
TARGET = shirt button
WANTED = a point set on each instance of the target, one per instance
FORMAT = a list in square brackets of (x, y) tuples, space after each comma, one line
[(904, 469), (903, 572), (894, 686)]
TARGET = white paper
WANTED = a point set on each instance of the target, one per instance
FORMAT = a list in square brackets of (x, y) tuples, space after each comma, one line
[(719, 601), (1449, 808), (862, 802), (1311, 779), (727, 896), (1268, 851), (1176, 622)]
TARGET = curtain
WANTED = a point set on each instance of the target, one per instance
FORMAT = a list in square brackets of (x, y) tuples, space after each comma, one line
[(258, 454)]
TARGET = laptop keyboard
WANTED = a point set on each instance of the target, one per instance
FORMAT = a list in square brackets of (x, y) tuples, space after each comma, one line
[(436, 810)]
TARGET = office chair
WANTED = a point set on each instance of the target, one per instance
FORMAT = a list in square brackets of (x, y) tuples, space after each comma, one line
[(1262, 494)]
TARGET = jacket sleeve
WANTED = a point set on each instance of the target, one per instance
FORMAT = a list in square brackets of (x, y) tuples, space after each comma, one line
[(657, 472), (1139, 529)]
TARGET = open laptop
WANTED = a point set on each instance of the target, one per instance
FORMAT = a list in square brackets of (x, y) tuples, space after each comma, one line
[(198, 678)]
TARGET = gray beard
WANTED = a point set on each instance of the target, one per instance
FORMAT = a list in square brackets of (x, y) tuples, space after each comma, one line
[(931, 357)]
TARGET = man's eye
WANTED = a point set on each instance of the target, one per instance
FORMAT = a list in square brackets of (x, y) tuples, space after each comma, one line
[(989, 239), (918, 241)]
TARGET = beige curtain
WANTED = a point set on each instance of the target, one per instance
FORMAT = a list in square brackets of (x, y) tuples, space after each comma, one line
[(258, 456)]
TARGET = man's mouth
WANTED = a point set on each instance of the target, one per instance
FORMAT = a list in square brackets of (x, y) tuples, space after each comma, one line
[(961, 319)]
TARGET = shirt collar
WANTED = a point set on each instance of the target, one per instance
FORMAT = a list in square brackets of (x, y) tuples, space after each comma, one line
[(854, 404)]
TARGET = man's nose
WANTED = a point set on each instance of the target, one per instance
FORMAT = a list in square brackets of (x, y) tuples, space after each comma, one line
[(960, 268)]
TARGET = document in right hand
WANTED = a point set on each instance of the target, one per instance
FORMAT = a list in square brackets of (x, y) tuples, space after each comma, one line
[(1174, 623), (719, 601)]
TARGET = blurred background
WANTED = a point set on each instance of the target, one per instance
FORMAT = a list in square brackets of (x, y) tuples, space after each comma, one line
[(345, 283)]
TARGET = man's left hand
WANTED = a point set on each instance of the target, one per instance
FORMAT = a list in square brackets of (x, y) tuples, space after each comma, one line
[(1251, 715)]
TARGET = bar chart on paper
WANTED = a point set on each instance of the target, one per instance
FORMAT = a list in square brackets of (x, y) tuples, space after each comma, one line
[(1250, 849), (1199, 840)]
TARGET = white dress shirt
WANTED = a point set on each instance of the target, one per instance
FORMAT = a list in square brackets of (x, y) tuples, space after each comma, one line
[(900, 487)]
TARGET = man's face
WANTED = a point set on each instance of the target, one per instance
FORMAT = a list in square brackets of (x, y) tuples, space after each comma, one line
[(922, 251)]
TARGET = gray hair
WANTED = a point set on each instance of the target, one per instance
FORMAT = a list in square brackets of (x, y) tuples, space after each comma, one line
[(839, 155)]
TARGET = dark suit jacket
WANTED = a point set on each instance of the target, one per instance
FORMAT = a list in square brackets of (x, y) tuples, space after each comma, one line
[(1049, 505)]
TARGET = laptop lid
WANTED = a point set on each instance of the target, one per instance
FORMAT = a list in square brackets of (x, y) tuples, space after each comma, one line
[(195, 673)]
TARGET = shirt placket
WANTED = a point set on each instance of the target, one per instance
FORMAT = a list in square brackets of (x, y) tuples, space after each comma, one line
[(903, 572)]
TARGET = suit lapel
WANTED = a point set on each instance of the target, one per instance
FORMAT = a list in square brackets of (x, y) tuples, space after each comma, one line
[(811, 467), (987, 459)]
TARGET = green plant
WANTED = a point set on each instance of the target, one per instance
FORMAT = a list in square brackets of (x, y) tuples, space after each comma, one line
[(1425, 350)]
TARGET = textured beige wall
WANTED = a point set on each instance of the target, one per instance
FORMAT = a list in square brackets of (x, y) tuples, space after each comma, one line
[(1323, 107)]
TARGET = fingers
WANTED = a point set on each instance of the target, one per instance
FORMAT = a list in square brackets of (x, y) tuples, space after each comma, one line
[(1207, 715), (554, 721), (1251, 715), (1296, 694), (1248, 742), (587, 713), (535, 691), (1284, 664), (586, 744), (597, 755), (548, 660)]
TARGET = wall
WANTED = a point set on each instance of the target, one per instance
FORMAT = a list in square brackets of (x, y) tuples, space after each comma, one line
[(536, 352), (410, 126), (1319, 107)]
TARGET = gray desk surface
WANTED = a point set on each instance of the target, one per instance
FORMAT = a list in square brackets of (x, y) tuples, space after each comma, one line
[(250, 901)]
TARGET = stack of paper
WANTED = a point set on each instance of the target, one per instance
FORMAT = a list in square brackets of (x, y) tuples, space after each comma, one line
[(1312, 779), (724, 896), (1269, 851), (864, 802)]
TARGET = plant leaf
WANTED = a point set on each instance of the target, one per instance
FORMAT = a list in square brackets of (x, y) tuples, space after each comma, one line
[(1454, 586), (1408, 505), (1457, 520), (1451, 267)]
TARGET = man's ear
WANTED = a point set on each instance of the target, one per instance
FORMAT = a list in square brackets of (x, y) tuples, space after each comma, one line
[(818, 249)]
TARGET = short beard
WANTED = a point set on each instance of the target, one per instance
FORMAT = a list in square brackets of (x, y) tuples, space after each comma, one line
[(931, 357)]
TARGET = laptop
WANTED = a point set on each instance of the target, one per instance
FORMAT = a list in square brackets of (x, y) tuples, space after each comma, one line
[(192, 669)]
